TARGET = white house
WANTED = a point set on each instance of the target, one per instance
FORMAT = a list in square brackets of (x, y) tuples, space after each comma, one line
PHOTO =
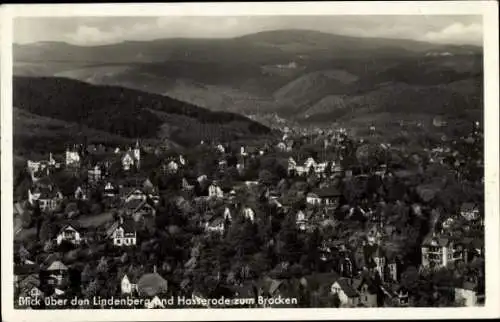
[(281, 147), (123, 233), (249, 214), (172, 167), (109, 190), (72, 157), (128, 286), (227, 214), (154, 303), (215, 225), (49, 198), (214, 191), (69, 234), (469, 294), (313, 199), (132, 158), (469, 211), (301, 220), (439, 250), (347, 294), (81, 193)]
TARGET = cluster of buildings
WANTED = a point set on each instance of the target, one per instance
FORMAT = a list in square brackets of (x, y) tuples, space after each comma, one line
[(364, 276)]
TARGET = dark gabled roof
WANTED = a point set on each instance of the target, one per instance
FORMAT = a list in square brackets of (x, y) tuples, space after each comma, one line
[(347, 288), (128, 225), (134, 204), (30, 281), (328, 192), (317, 281), (440, 240), (127, 191), (132, 274), (372, 251), (358, 283)]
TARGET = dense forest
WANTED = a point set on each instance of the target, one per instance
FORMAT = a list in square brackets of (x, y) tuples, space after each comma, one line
[(125, 112)]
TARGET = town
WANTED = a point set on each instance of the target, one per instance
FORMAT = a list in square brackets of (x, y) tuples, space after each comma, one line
[(325, 217)]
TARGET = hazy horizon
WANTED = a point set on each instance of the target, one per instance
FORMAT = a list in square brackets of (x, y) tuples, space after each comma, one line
[(85, 31)]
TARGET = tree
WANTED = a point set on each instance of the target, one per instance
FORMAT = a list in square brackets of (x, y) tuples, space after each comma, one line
[(266, 177), (410, 278), (290, 245)]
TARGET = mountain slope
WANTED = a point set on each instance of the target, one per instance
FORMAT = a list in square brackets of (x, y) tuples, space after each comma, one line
[(292, 73), (124, 112)]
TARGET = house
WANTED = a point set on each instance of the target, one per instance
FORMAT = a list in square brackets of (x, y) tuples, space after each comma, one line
[(122, 233), (110, 190), (470, 293), (152, 284), (281, 147), (29, 287), (73, 157), (400, 295), (439, 121), (249, 214), (368, 291), (222, 165), (346, 292), (40, 168), (94, 174), (170, 167), (214, 191), (139, 209), (154, 303), (82, 193), (381, 170), (301, 220), (215, 224), (57, 271), (132, 193), (313, 199), (128, 284), (70, 234), (186, 186), (328, 196), (470, 212), (227, 214), (439, 250), (309, 165), (132, 158), (48, 197), (376, 260)]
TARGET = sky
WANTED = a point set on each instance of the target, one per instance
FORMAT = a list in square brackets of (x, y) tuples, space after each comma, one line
[(464, 29)]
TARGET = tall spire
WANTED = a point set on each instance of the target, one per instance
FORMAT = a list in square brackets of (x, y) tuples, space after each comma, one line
[(137, 146)]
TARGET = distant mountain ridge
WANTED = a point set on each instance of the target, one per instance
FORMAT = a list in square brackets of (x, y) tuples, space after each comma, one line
[(301, 75)]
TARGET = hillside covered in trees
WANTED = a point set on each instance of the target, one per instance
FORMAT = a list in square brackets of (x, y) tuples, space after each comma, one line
[(128, 113)]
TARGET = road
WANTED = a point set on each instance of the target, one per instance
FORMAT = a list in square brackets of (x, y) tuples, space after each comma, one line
[(85, 221)]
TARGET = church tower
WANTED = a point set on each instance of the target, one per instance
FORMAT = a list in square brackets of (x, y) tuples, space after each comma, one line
[(137, 154)]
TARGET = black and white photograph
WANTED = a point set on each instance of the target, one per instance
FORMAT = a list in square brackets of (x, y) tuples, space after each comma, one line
[(201, 161)]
